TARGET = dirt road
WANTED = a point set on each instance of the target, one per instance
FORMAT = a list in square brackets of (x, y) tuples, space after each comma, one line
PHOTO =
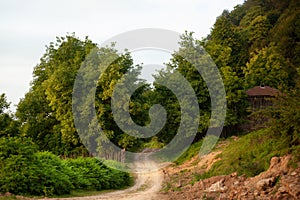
[(147, 184)]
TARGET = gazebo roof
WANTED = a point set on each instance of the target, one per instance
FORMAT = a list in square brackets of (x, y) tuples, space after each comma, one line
[(262, 91)]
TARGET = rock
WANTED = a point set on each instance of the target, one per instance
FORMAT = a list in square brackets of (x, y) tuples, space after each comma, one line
[(236, 182), (235, 138), (279, 164), (8, 194), (282, 189), (294, 173), (265, 183), (292, 185), (217, 187), (234, 174), (178, 185)]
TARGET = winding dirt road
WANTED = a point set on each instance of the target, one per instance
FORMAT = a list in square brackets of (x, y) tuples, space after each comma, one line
[(147, 185)]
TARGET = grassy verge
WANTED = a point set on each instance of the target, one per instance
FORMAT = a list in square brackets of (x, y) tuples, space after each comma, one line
[(74, 193), (251, 154), (192, 151), (84, 193)]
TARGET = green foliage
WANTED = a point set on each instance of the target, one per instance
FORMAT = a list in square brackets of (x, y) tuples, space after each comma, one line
[(154, 143), (190, 53), (250, 154), (284, 116), (8, 126), (38, 121), (61, 65), (122, 70), (192, 151), (256, 43), (46, 110), (92, 174), (3, 103), (267, 67), (52, 176), (16, 164), (235, 96), (24, 170)]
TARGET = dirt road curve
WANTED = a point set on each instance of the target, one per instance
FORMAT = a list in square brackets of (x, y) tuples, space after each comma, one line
[(146, 185)]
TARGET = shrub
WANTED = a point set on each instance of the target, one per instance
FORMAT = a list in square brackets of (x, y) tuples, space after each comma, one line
[(24, 170), (51, 177), (16, 164), (93, 174)]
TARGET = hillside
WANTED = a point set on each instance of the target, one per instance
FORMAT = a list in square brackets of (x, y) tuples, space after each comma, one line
[(238, 168), (256, 43)]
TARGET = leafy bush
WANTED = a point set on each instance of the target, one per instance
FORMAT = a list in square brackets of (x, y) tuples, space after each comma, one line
[(24, 170), (17, 162), (52, 176), (92, 174)]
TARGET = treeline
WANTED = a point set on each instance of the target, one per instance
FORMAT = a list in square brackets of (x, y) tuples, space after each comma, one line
[(256, 43)]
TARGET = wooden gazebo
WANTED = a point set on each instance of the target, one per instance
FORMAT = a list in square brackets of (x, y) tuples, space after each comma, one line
[(261, 96)]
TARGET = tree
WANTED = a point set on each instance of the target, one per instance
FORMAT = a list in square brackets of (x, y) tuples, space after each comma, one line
[(61, 67), (38, 121), (258, 31), (284, 116), (235, 92), (235, 97), (8, 125), (3, 103), (226, 34), (267, 67), (120, 68), (187, 61), (46, 110), (286, 34)]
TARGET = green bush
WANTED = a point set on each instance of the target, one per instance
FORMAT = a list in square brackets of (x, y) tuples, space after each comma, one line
[(17, 162), (51, 177), (92, 174), (24, 170)]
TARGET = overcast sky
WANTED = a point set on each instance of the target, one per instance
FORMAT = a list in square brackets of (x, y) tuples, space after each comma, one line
[(27, 26)]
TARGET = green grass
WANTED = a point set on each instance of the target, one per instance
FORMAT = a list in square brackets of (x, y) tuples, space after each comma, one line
[(153, 144), (251, 154), (74, 193), (192, 151), (83, 193), (8, 197)]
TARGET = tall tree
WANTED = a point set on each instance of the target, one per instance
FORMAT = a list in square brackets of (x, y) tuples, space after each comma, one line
[(8, 125), (267, 67), (45, 112), (61, 66)]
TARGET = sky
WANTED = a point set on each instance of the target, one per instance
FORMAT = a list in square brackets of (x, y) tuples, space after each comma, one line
[(26, 27)]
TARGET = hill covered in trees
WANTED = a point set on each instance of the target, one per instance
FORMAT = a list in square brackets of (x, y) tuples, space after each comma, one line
[(256, 43)]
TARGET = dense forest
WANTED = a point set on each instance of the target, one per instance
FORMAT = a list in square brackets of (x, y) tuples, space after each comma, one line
[(256, 43)]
